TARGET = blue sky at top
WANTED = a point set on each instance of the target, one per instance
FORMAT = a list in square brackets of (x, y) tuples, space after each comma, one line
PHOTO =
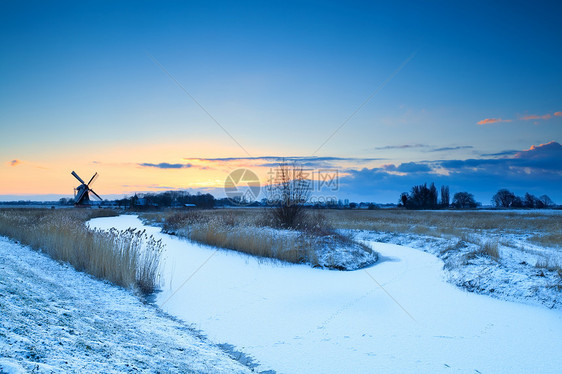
[(280, 77)]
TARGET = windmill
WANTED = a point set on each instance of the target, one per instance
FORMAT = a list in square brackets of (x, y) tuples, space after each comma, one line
[(82, 192)]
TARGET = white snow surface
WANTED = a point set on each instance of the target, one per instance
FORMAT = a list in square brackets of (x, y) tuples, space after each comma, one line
[(398, 316), (513, 277), (54, 319)]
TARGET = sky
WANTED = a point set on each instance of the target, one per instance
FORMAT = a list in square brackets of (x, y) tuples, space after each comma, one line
[(384, 95)]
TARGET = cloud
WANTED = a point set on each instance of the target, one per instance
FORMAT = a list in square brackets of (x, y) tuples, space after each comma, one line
[(273, 161), (15, 162), (286, 158), (534, 117), (509, 152), (536, 170), (403, 146), (546, 156), (489, 121), (529, 117), (165, 165), (432, 149), (543, 158), (149, 187), (451, 148), (408, 167)]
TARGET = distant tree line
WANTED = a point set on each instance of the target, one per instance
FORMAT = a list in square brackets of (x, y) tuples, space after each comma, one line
[(424, 197), (507, 199), (427, 197), (167, 199)]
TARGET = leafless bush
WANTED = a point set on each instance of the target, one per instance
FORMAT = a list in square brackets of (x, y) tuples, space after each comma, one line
[(315, 223), (287, 192)]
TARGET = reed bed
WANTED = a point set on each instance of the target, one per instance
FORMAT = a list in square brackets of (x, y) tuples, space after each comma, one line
[(550, 264), (400, 220), (488, 249), (546, 228), (253, 232), (126, 258)]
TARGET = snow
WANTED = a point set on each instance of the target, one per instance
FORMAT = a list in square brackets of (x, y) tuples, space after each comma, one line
[(54, 319), (399, 315), (327, 251), (10, 367), (514, 277)]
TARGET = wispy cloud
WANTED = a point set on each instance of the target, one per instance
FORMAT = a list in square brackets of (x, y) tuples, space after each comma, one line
[(527, 117), (15, 162), (443, 149), (408, 167), (534, 117), (509, 152), (286, 158), (424, 147), (489, 121), (165, 165), (259, 162), (149, 187), (402, 146)]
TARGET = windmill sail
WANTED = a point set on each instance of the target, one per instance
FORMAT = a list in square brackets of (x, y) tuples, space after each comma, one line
[(82, 192)]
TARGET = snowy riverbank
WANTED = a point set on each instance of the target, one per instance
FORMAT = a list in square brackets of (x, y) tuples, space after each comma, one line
[(54, 319), (296, 319)]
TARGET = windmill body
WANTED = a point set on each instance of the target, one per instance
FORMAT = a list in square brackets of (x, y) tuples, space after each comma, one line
[(82, 192)]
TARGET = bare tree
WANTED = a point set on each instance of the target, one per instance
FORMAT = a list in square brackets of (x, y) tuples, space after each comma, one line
[(421, 197), (546, 201), (288, 190), (445, 196), (464, 200), (531, 201), (503, 198)]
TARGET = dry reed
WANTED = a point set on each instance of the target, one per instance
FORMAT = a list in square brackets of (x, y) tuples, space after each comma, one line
[(253, 232), (126, 258)]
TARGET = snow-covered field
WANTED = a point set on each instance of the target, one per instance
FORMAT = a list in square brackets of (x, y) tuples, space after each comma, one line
[(54, 319), (397, 316)]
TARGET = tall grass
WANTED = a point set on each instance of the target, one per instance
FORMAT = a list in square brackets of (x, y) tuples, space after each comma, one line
[(488, 249), (449, 224), (252, 236), (126, 258), (549, 263), (466, 226), (445, 222), (256, 234)]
